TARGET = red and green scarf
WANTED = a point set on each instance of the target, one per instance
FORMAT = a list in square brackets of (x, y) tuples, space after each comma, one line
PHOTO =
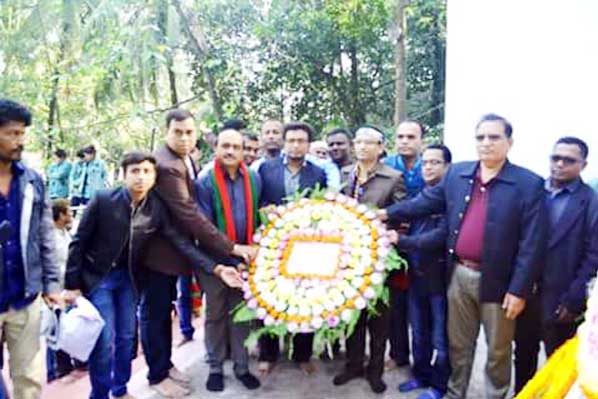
[(223, 205)]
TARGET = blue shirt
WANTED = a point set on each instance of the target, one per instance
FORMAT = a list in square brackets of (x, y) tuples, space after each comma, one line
[(333, 175), (557, 200), (12, 293), (414, 182), (58, 179), (236, 193)]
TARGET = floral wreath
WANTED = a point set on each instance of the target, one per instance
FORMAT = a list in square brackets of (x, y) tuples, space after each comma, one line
[(321, 260)]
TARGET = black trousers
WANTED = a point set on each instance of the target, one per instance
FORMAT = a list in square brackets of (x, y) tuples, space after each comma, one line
[(378, 326), (527, 342), (158, 291), (302, 348)]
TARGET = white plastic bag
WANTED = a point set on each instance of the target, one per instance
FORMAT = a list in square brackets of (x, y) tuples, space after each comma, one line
[(79, 329)]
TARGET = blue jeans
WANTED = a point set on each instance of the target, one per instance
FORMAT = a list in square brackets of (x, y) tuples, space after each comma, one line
[(110, 360), (185, 306), (428, 316)]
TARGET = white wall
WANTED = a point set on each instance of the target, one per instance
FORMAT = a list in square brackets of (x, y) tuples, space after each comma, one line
[(534, 62)]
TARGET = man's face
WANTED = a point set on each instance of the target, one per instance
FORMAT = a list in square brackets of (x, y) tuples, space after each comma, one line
[(319, 150), (566, 163), (250, 150), (181, 136), (140, 178), (88, 156), (229, 148), (66, 219), (433, 166), (368, 148), (12, 139), (409, 140), (296, 144), (339, 147), (271, 135), (492, 143)]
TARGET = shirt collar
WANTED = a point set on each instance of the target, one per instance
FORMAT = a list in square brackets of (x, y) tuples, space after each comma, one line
[(569, 188), (285, 160), (18, 168)]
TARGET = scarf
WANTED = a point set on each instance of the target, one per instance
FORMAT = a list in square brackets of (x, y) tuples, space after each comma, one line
[(223, 206)]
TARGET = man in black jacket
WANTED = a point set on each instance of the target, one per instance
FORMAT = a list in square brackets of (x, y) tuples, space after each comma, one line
[(426, 246), (496, 237), (104, 261)]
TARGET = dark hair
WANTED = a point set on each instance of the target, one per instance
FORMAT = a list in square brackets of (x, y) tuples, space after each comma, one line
[(60, 153), (177, 114), (421, 126), (250, 137), (493, 118), (135, 157), (446, 153), (90, 149), (340, 130), (12, 111), (306, 127), (583, 147), (235, 124), (80, 153), (59, 206)]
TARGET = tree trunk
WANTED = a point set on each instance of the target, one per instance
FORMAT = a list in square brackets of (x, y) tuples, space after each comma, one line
[(439, 77), (400, 108), (163, 16), (357, 116), (200, 49)]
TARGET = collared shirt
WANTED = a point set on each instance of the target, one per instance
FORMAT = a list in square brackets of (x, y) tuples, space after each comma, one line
[(291, 181), (13, 290), (557, 200), (470, 243), (357, 186), (414, 181), (58, 179), (236, 193)]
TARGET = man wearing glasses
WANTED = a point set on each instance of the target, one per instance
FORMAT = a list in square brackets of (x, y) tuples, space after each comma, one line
[(571, 259), (496, 238)]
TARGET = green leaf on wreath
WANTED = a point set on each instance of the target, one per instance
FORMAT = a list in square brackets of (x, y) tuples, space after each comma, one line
[(242, 314)]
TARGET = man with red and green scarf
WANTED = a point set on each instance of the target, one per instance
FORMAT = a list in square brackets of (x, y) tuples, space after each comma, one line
[(228, 195)]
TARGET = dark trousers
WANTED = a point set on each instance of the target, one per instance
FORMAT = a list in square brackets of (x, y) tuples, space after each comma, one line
[(399, 333), (378, 327), (302, 348), (428, 317), (555, 334), (527, 342), (157, 293)]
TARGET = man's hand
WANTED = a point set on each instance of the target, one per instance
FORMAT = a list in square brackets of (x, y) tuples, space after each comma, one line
[(393, 236), (70, 296), (246, 252), (53, 299), (229, 275), (564, 315), (241, 267), (382, 215), (513, 306)]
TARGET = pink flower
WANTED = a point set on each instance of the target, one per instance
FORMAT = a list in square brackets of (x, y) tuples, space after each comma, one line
[(333, 321)]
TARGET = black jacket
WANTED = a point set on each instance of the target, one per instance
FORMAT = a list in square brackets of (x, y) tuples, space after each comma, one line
[(516, 225), (572, 255), (109, 225)]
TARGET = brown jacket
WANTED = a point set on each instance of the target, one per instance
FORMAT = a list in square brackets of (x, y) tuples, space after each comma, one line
[(384, 187), (175, 187)]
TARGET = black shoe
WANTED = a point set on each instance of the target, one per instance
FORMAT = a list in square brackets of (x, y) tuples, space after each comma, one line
[(249, 381), (215, 383), (377, 385), (347, 376)]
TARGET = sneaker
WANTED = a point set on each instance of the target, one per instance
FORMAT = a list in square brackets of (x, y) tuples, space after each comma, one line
[(215, 382), (168, 388), (346, 376), (410, 385), (431, 393), (376, 384), (249, 381)]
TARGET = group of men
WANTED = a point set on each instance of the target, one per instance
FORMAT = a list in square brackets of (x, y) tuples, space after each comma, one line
[(488, 242)]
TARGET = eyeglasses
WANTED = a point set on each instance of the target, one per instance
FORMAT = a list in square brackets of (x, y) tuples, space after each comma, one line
[(432, 162), (366, 142), (296, 141), (565, 159), (493, 138)]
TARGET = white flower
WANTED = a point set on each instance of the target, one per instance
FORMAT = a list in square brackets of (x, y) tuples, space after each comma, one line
[(377, 278), (269, 320), (360, 303), (304, 310), (317, 322), (317, 310), (292, 327), (346, 315), (261, 313), (380, 266), (369, 293)]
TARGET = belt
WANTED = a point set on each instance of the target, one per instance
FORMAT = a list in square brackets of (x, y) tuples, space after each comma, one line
[(470, 264)]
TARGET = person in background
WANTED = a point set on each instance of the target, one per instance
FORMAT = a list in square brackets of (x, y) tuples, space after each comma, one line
[(76, 180), (58, 176), (373, 183), (426, 247), (570, 262), (319, 149), (339, 142), (95, 176), (251, 147), (27, 254)]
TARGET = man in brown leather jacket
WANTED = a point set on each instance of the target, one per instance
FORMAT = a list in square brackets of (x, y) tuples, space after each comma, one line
[(176, 173)]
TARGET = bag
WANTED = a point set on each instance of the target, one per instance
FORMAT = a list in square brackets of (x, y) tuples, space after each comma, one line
[(50, 326), (79, 329)]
